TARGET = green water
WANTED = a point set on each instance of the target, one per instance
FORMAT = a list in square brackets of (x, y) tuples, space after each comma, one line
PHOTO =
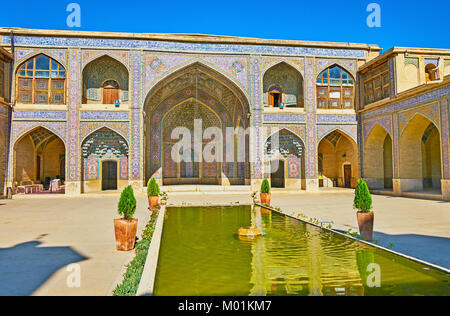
[(201, 255)]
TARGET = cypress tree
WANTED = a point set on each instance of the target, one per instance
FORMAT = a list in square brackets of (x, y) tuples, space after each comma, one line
[(363, 199)]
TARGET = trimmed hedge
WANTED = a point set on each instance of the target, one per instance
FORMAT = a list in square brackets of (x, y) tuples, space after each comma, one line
[(363, 199), (265, 186), (127, 203), (153, 188)]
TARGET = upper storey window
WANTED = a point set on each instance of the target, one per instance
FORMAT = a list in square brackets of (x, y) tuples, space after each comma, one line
[(283, 86), (335, 89), (105, 81), (431, 72), (377, 84), (41, 80)]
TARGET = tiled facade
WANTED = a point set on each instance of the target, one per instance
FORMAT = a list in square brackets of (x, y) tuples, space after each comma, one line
[(150, 61)]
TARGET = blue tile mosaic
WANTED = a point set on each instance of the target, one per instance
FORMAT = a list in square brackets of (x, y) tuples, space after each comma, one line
[(85, 115), (53, 115), (180, 46)]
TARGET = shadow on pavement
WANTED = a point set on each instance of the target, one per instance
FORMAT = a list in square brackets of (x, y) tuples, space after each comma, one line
[(428, 248), (25, 267)]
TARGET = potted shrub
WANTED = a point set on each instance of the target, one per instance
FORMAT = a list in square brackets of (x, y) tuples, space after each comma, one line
[(164, 198), (363, 203), (265, 192), (125, 228), (153, 193)]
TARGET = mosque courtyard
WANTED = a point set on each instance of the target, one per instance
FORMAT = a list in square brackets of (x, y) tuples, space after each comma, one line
[(41, 237)]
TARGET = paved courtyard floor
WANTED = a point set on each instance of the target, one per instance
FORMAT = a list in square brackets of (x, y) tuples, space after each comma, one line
[(41, 236)]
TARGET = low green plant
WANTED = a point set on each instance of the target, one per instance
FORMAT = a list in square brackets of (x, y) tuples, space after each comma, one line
[(152, 188), (363, 199), (127, 203), (132, 276), (265, 186)]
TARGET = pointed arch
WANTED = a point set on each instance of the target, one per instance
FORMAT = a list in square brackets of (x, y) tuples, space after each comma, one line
[(202, 85), (192, 63), (420, 139), (207, 68), (412, 117), (110, 142), (287, 129), (385, 123), (35, 164), (104, 162), (90, 59), (280, 61), (21, 134), (33, 54), (102, 126), (335, 88), (96, 72), (338, 129), (289, 84), (40, 79), (332, 64), (285, 160), (338, 159), (378, 162)]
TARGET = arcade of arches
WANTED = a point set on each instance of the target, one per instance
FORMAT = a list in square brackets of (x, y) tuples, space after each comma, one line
[(419, 165), (196, 94)]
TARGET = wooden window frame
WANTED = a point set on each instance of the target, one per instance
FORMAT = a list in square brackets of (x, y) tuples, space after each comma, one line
[(337, 88), (35, 79), (370, 95)]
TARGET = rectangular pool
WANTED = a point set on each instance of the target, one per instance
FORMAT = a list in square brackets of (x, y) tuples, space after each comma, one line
[(202, 255)]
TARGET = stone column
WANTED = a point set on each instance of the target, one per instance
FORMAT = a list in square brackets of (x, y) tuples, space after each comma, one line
[(256, 143), (312, 182), (396, 182), (73, 152), (136, 129), (445, 146)]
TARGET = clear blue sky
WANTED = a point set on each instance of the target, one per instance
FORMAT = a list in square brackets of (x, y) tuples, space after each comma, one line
[(416, 23)]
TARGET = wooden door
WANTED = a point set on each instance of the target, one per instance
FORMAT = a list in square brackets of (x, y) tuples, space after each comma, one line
[(110, 95), (277, 174), (109, 175), (348, 176)]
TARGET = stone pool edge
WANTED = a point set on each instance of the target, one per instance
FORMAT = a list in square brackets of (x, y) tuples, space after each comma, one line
[(147, 282), (442, 269)]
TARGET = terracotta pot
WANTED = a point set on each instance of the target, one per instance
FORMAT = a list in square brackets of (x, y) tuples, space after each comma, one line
[(125, 233), (265, 198), (153, 201), (365, 223)]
